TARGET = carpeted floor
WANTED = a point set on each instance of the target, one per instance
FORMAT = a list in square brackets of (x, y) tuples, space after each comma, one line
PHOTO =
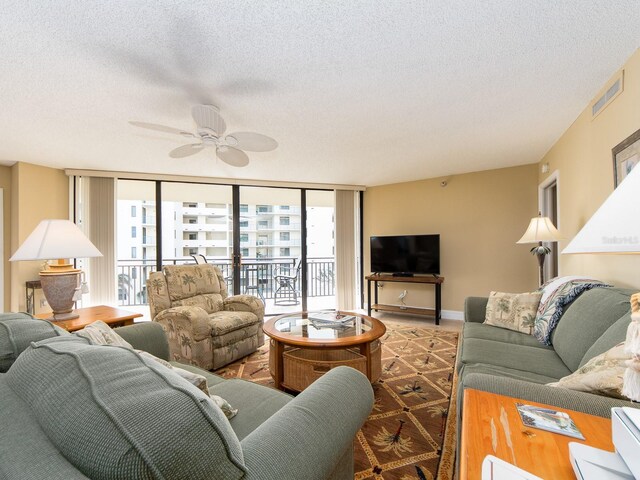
[(409, 434)]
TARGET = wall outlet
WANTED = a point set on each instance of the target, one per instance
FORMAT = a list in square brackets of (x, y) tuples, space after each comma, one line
[(43, 302)]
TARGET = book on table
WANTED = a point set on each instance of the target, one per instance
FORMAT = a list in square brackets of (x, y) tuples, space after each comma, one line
[(548, 419)]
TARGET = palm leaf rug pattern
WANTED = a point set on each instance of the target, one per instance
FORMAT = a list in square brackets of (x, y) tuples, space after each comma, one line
[(410, 426)]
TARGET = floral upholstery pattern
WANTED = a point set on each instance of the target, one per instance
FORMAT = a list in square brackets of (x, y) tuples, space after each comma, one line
[(203, 325), (602, 375), (513, 311)]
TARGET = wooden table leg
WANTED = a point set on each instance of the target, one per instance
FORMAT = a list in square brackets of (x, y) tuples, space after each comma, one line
[(279, 366), (365, 350)]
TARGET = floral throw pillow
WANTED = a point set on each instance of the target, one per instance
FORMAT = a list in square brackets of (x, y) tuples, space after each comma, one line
[(514, 311), (556, 294), (602, 375)]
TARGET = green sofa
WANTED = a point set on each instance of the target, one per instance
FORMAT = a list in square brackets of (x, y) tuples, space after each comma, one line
[(510, 363), (71, 410)]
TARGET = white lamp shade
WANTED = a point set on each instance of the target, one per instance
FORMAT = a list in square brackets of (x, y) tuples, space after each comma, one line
[(614, 228), (53, 239), (540, 229)]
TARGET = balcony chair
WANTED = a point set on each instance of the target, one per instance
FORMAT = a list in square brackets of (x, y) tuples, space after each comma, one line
[(199, 259), (204, 325), (286, 279)]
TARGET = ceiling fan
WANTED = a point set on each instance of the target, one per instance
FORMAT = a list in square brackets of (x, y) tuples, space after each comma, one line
[(210, 131)]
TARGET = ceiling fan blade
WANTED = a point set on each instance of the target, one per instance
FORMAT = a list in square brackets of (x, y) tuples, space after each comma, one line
[(186, 150), (252, 142), (162, 128), (208, 116), (232, 156)]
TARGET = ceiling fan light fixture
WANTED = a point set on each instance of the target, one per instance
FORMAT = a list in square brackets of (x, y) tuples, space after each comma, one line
[(231, 140)]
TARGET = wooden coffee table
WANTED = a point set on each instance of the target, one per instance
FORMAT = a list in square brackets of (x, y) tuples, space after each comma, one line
[(114, 317), (544, 454), (301, 352)]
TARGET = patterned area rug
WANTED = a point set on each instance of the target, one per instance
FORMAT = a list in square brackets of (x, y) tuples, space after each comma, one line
[(410, 433)]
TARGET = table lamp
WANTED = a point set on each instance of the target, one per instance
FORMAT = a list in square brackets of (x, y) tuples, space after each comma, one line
[(615, 229), (540, 229), (62, 240)]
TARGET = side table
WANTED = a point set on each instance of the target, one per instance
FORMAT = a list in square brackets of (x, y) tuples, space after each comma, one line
[(544, 454), (114, 317)]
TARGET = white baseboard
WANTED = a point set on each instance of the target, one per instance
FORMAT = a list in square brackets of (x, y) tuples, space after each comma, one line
[(452, 315)]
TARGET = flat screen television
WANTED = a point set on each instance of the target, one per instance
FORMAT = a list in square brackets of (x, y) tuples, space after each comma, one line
[(406, 254)]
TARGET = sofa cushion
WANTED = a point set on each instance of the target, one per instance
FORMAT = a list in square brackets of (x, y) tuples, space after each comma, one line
[(521, 357), (258, 403), (488, 332), (615, 334), (506, 372), (585, 320), (189, 280), (17, 331), (513, 311), (115, 415), (225, 322), (32, 455), (602, 375)]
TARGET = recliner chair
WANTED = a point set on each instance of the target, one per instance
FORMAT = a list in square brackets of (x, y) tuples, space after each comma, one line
[(205, 327)]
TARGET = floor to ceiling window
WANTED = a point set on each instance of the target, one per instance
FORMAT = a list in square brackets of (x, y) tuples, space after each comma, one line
[(281, 246)]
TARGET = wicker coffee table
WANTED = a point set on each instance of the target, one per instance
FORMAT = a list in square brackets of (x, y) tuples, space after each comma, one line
[(302, 349)]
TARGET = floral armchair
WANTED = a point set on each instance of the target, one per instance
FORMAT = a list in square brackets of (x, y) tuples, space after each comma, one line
[(204, 326)]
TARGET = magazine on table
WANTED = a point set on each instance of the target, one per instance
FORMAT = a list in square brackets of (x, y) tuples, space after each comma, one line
[(548, 419), (330, 318)]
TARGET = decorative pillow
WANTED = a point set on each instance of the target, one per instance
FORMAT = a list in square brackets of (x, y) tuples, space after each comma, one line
[(602, 375), (99, 333), (225, 406), (514, 311), (172, 429), (18, 330), (556, 294)]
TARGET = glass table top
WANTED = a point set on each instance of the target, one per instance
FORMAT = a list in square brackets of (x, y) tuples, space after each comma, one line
[(323, 325)]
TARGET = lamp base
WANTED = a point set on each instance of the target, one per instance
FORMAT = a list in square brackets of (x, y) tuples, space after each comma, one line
[(58, 289)]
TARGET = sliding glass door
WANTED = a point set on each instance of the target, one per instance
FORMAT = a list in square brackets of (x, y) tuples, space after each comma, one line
[(197, 225), (275, 243), (271, 246)]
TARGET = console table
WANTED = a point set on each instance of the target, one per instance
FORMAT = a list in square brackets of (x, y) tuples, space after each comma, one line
[(435, 281)]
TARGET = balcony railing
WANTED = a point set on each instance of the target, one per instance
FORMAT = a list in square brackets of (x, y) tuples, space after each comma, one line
[(256, 276)]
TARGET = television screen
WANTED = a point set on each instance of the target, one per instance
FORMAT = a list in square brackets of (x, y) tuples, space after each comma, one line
[(406, 254)]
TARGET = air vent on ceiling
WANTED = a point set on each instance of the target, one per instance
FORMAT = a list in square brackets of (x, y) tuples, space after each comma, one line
[(607, 97)]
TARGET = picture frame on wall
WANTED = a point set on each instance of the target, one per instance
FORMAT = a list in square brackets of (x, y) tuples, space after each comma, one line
[(626, 155)]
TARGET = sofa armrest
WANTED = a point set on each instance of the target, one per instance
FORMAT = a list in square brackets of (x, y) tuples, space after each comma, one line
[(192, 319), (315, 429), (474, 309), (147, 336), (559, 397), (245, 303)]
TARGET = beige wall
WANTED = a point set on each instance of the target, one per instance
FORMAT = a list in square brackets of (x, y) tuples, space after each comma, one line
[(582, 156), (37, 193), (479, 217), (5, 184)]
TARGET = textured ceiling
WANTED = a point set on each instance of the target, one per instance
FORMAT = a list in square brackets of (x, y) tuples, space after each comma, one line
[(358, 92)]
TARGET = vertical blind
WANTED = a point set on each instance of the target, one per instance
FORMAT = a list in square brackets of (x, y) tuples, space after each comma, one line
[(346, 265), (95, 215)]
